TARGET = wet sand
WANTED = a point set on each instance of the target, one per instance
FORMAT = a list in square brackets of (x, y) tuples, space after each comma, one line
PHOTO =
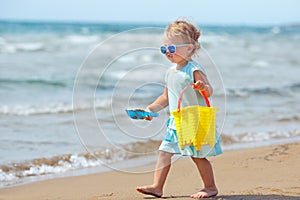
[(258, 173)]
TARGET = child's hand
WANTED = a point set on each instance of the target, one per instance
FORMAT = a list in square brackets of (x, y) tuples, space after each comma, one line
[(199, 85), (149, 118)]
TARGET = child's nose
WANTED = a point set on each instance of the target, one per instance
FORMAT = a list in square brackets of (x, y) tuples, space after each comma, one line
[(169, 55)]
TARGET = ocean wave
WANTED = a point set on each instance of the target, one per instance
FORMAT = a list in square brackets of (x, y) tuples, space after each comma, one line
[(82, 39), (248, 137), (59, 164), (12, 172), (26, 110), (45, 43), (19, 47), (44, 166), (245, 92), (34, 82), (289, 119)]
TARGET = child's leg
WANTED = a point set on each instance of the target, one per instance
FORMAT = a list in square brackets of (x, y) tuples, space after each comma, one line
[(160, 175), (206, 172)]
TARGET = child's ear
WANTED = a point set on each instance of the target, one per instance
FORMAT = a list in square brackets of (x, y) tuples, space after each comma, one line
[(190, 47)]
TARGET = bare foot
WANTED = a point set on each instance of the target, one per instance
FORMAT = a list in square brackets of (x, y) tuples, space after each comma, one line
[(150, 190), (205, 193)]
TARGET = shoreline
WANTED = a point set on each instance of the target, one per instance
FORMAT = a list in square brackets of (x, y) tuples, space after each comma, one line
[(269, 172), (128, 165)]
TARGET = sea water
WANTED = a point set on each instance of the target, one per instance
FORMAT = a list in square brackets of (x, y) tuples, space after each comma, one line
[(64, 88)]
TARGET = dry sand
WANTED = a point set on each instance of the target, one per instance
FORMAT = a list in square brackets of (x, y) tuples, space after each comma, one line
[(259, 173)]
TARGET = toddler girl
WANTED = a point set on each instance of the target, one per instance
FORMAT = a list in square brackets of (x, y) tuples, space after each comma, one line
[(180, 44)]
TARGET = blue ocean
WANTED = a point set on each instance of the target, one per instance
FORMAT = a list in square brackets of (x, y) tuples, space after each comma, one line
[(64, 88)]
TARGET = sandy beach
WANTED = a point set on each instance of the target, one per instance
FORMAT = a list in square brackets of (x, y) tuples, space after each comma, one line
[(258, 173), (65, 87)]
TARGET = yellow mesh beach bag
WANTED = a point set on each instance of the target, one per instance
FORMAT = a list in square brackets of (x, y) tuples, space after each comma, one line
[(195, 125)]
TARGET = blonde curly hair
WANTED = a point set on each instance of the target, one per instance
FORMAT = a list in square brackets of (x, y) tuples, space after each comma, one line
[(185, 30)]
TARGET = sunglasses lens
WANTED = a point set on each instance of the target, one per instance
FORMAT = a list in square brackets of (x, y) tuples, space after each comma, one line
[(163, 49), (172, 49)]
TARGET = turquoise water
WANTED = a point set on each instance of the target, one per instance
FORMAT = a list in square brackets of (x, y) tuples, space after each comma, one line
[(64, 88)]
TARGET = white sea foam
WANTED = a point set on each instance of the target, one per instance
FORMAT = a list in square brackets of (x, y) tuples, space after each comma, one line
[(26, 110), (260, 64), (24, 46), (82, 39), (7, 176), (12, 174), (30, 46)]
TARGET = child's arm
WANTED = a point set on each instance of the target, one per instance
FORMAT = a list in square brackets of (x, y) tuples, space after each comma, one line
[(202, 84), (160, 103)]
